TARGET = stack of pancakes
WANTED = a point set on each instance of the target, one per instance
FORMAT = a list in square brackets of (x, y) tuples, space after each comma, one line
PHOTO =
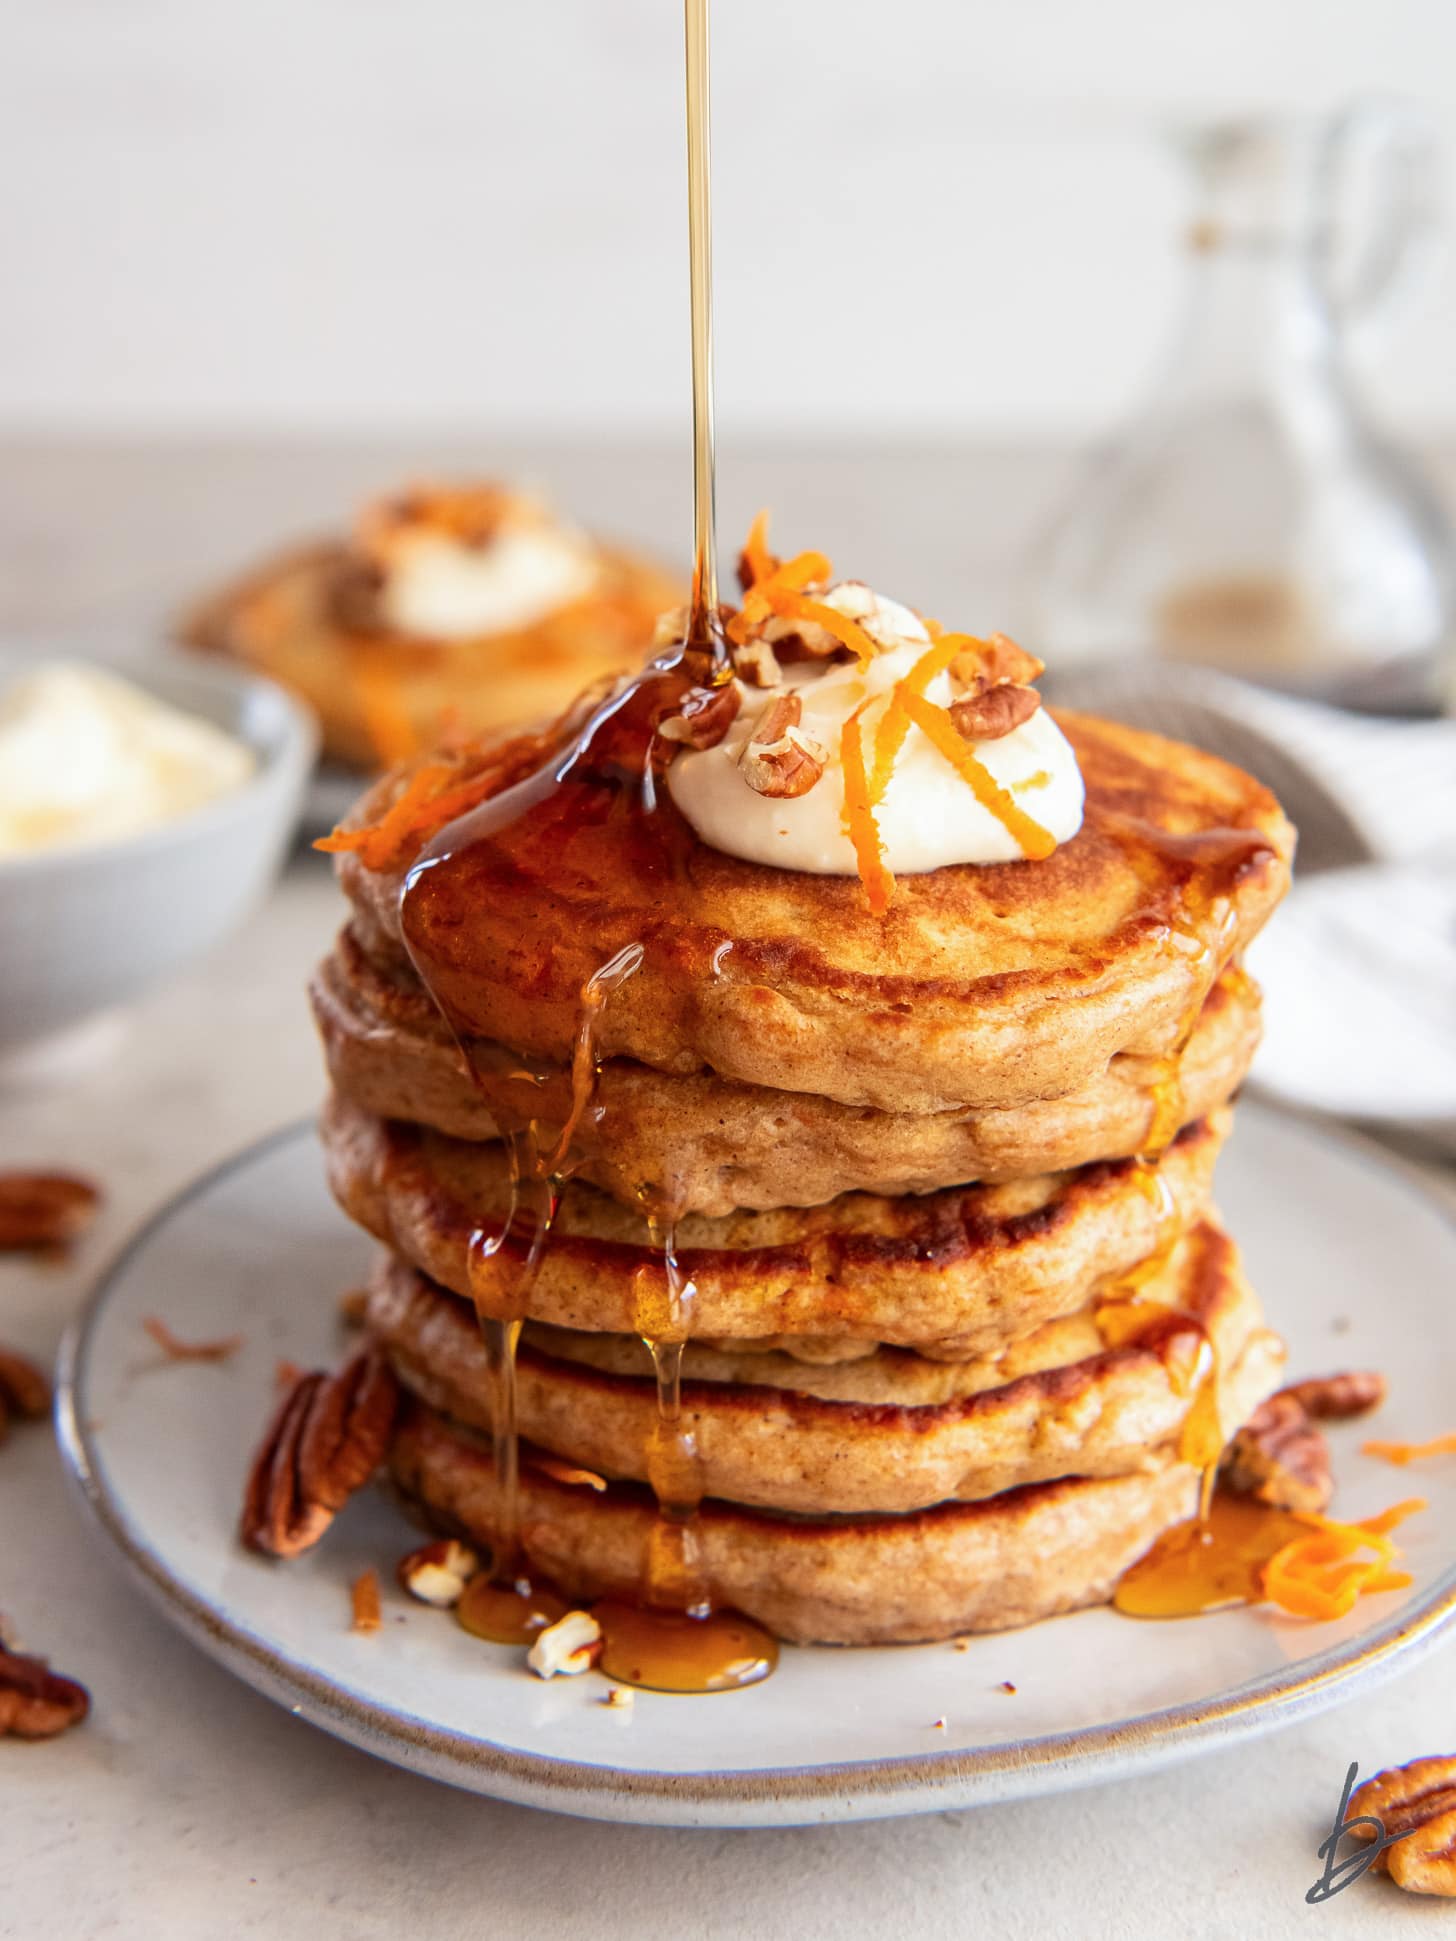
[(962, 1326)]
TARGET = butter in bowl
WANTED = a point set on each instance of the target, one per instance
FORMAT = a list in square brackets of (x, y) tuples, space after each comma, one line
[(145, 808)]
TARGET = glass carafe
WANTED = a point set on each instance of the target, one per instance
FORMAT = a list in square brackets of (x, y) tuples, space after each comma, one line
[(1252, 518)]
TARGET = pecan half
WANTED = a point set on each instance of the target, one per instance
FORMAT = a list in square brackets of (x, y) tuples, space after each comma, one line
[(41, 1210), (1416, 1804), (704, 718), (1338, 1398), (780, 759), (325, 1441), (24, 1390), (997, 659), (994, 711), (36, 1702), (353, 1307), (1280, 1458)]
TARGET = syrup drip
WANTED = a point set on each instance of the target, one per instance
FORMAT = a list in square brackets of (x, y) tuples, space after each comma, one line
[(1125, 1315), (1168, 1112), (508, 1613), (1211, 863), (609, 769), (1209, 1561), (662, 1651), (664, 1305)]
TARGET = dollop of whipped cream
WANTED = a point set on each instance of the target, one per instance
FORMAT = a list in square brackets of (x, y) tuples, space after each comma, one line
[(87, 757), (928, 816), (456, 562)]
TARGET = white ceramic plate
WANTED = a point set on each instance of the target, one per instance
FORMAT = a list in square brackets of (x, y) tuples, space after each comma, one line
[(1356, 1266)]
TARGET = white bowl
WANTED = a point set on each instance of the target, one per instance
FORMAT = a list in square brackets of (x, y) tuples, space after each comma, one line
[(84, 930)]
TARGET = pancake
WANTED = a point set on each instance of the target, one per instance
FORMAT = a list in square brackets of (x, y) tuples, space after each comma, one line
[(962, 1269), (861, 1437), (1007, 1560), (288, 620), (982, 986), (710, 1145)]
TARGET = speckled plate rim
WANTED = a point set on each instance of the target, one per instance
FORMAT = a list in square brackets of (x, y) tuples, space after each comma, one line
[(780, 1796)]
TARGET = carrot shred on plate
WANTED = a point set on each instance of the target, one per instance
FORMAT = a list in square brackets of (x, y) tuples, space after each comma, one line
[(1402, 1453), (1321, 1575)]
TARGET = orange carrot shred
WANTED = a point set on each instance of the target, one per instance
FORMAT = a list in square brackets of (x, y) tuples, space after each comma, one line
[(419, 811), (760, 562), (1379, 1526), (849, 633), (859, 818), (1321, 1575), (1402, 1453), (176, 1349), (938, 728), (895, 722)]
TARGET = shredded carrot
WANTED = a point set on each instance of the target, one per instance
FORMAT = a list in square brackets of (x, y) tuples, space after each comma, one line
[(760, 562), (1388, 1520), (1402, 1453), (422, 808), (777, 587), (397, 821), (859, 818), (895, 722), (938, 728), (562, 1472), (1322, 1574), (175, 1349)]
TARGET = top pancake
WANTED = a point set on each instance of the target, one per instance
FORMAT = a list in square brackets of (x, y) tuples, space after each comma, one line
[(982, 986)]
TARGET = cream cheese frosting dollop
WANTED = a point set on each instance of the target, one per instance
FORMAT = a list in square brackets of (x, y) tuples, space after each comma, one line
[(447, 576), (928, 816)]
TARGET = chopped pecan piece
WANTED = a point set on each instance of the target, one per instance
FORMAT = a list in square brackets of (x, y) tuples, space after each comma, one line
[(1338, 1398), (353, 1307), (1416, 1804), (44, 1210), (780, 759), (366, 1611), (437, 1573), (704, 718), (326, 1440), (36, 1702), (992, 712), (756, 662), (1280, 1458), (24, 1390)]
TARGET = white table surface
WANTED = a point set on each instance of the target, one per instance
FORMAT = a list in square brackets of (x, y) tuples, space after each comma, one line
[(187, 1806)]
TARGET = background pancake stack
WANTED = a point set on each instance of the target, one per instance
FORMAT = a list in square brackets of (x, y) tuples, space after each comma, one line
[(910, 1406)]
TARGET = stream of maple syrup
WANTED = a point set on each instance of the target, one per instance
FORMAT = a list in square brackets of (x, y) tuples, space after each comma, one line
[(671, 1639)]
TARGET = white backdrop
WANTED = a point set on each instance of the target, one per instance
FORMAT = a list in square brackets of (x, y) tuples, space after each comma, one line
[(938, 215)]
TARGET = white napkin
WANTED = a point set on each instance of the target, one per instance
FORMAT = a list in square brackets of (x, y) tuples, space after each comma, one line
[(1359, 968)]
